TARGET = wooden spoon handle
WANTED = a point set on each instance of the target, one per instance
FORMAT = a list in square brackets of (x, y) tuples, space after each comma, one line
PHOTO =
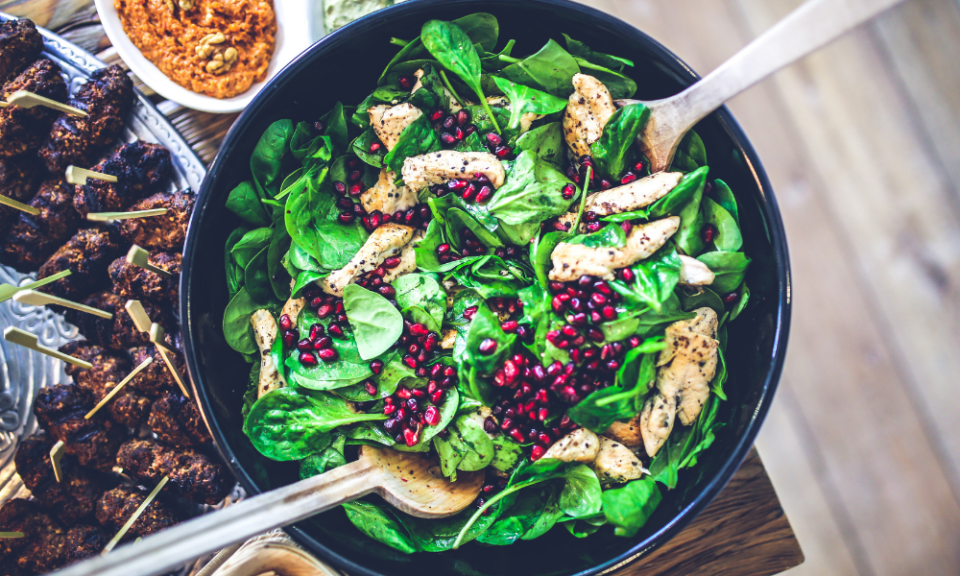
[(809, 27), (169, 549)]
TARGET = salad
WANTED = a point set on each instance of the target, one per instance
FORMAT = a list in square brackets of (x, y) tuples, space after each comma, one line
[(475, 263)]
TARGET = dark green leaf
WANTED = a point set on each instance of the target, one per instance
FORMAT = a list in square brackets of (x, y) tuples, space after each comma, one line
[(726, 198), (728, 236), (545, 141), (266, 162), (628, 508), (657, 276), (416, 139), (531, 194), (728, 267), (422, 291), (279, 244), (236, 322), (691, 154), (256, 280), (610, 236), (328, 459), (613, 152), (376, 324), (245, 203), (551, 70), (581, 50), (541, 255), (361, 147), (380, 525), (526, 100)]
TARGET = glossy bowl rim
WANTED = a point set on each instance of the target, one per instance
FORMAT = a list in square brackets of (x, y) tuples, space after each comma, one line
[(767, 205)]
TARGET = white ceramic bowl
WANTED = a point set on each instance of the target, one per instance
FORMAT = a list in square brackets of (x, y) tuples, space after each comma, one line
[(293, 37)]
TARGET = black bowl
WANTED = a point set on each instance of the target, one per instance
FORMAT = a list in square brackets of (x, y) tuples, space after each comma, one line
[(345, 66)]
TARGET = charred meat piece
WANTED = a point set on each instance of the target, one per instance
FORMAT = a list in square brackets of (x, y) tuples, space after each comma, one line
[(177, 422), (24, 129), (18, 180), (106, 97), (135, 283), (20, 44), (94, 442), (165, 232), (128, 407), (193, 475), (34, 238), (83, 542), (118, 505), (119, 333), (156, 378), (29, 553), (140, 167), (70, 500), (87, 254)]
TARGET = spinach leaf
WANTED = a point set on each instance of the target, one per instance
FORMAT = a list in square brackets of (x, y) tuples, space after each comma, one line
[(581, 50), (492, 276), (395, 372), (628, 508), (482, 28), (614, 151), (581, 492), (657, 276), (506, 454), (256, 280), (325, 460), (376, 324), (691, 154), (519, 520), (236, 322), (266, 162), (292, 423), (726, 198), (602, 408), (422, 291), (451, 46), (741, 303), (551, 69), (361, 147), (472, 143), (305, 279), (728, 267), (689, 238), (530, 195), (325, 376), (467, 447), (720, 378), (545, 141), (541, 255), (686, 190), (302, 260), (416, 139), (249, 245), (279, 244), (484, 326), (643, 321), (684, 446), (245, 203), (610, 236), (233, 270), (303, 204), (458, 220), (426, 250), (619, 85), (382, 95), (335, 127), (728, 236), (526, 100), (380, 525), (703, 296), (308, 147)]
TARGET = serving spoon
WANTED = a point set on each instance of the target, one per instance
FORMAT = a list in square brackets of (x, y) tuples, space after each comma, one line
[(410, 482), (808, 28)]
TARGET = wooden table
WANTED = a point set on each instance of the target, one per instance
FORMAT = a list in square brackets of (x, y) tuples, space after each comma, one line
[(744, 532)]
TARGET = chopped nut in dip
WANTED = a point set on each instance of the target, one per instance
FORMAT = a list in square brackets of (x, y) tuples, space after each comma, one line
[(214, 47)]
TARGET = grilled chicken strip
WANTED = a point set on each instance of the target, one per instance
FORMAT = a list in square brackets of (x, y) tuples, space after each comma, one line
[(616, 464), (633, 196), (177, 421), (18, 180), (408, 259), (588, 111), (694, 272), (33, 239), (24, 129), (140, 168), (20, 44), (166, 232), (626, 433), (387, 197), (72, 500), (445, 165), (116, 506), (134, 283), (265, 328), (386, 241), (87, 254), (106, 97), (685, 370), (580, 445), (390, 121), (128, 407), (193, 475), (60, 409), (571, 261)]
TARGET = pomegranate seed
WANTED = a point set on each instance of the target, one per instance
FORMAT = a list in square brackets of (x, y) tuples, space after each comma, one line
[(410, 437), (553, 337), (537, 452), (595, 334), (488, 347), (316, 331), (568, 191), (389, 409), (412, 403), (410, 361), (709, 233), (336, 331), (484, 195), (375, 146), (448, 139), (494, 139), (308, 359), (609, 313), (346, 217), (502, 151), (613, 365), (431, 342), (370, 387), (387, 291), (437, 396), (606, 184), (418, 330), (638, 167), (593, 226), (517, 435), (510, 371), (469, 192), (391, 263), (510, 326), (340, 187), (470, 129), (436, 116), (633, 341), (328, 354), (571, 331), (543, 414), (356, 189), (449, 122), (322, 342), (406, 82), (459, 134), (304, 345), (463, 117), (590, 216), (627, 227), (731, 298), (432, 416), (598, 298), (443, 249), (354, 176), (470, 312), (289, 338), (626, 274), (489, 425), (628, 178), (285, 322)]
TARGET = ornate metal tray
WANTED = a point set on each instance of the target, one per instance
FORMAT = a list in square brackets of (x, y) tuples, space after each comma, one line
[(23, 371)]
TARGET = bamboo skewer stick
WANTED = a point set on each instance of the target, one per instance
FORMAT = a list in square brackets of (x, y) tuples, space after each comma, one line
[(140, 257), (11, 535), (111, 216), (35, 298), (56, 454), (116, 389), (139, 511), (156, 336), (8, 201), (28, 340), (139, 315), (7, 291), (77, 175), (25, 99)]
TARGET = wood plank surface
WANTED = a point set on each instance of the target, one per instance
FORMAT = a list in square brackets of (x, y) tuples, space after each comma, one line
[(744, 531)]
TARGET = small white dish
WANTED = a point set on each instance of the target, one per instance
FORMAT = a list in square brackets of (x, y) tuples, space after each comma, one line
[(293, 37)]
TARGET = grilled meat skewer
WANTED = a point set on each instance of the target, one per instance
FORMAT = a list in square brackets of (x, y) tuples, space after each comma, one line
[(165, 232), (106, 97), (193, 475), (133, 282), (116, 506), (45, 546), (176, 421), (20, 44), (87, 254), (72, 500), (128, 407), (156, 378), (118, 333), (94, 442), (140, 167), (24, 129), (33, 239), (18, 180)]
